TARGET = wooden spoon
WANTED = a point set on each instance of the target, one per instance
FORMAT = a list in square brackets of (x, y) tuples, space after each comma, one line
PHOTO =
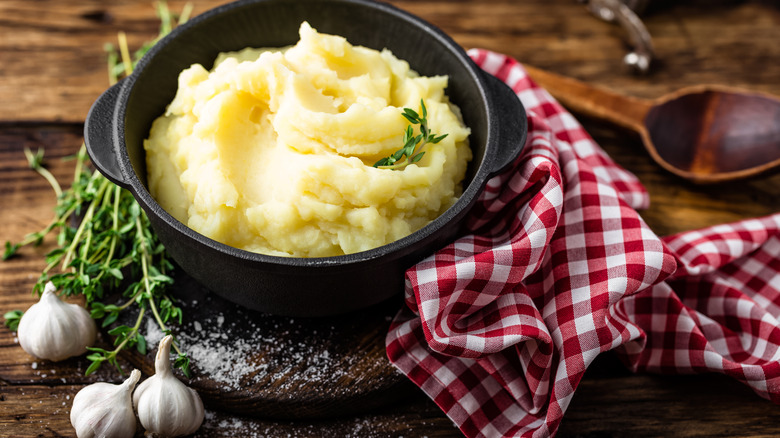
[(706, 134)]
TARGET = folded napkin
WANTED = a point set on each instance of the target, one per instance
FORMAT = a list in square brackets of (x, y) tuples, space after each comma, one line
[(559, 267)]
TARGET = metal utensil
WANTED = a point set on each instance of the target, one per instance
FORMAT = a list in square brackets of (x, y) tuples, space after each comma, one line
[(624, 12)]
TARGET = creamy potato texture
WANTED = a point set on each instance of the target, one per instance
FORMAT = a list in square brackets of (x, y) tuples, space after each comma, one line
[(272, 150)]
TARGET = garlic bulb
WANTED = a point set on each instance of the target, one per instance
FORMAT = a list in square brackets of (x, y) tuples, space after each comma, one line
[(165, 406), (103, 410), (55, 330)]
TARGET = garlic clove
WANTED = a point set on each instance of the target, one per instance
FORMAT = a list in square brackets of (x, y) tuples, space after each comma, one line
[(54, 330), (166, 406), (105, 410)]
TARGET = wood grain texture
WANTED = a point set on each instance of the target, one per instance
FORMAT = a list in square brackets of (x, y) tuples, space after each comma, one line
[(256, 364), (597, 102), (46, 412), (52, 68), (53, 65), (612, 403)]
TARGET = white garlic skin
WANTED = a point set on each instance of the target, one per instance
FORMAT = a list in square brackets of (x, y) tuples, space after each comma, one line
[(54, 330), (165, 406), (103, 410)]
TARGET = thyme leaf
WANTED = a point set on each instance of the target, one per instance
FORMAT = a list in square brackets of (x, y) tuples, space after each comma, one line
[(411, 152), (12, 319)]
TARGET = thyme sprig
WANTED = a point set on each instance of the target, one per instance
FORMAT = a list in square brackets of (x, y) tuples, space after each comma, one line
[(35, 161), (412, 151), (112, 243)]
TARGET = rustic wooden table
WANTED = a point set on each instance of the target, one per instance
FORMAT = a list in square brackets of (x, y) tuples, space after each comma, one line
[(52, 67)]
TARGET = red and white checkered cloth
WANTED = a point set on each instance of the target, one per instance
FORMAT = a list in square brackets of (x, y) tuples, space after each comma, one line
[(502, 323)]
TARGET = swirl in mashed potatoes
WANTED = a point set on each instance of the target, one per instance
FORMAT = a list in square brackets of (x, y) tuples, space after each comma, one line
[(272, 150)]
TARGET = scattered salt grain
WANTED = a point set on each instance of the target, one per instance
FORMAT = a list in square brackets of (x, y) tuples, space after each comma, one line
[(240, 349), (153, 333), (369, 426), (34, 365)]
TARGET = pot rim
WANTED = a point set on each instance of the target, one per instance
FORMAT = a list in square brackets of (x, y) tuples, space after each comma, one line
[(403, 246)]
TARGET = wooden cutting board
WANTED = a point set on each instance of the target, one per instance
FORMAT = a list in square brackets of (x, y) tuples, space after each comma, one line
[(252, 363)]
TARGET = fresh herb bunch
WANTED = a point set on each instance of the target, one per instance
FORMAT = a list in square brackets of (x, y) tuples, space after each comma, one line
[(112, 238), (412, 151)]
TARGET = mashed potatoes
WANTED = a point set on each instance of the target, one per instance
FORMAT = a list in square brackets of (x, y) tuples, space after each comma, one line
[(273, 150)]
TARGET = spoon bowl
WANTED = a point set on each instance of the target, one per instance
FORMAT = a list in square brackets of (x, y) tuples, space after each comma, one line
[(706, 134)]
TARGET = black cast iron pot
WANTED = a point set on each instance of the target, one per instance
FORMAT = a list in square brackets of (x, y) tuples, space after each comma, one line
[(120, 120)]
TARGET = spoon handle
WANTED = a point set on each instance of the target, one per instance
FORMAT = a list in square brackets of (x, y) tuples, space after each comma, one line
[(628, 112)]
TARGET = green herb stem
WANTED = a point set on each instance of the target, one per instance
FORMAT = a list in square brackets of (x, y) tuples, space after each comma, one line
[(115, 225), (130, 302), (36, 163), (134, 331), (165, 18), (123, 49), (111, 62), (125, 338), (84, 225), (38, 236), (186, 11)]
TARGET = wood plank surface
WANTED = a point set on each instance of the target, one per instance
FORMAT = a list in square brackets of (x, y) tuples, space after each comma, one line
[(252, 363), (53, 64), (52, 67)]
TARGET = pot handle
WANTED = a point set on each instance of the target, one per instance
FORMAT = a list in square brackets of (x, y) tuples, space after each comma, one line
[(512, 123), (98, 135)]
